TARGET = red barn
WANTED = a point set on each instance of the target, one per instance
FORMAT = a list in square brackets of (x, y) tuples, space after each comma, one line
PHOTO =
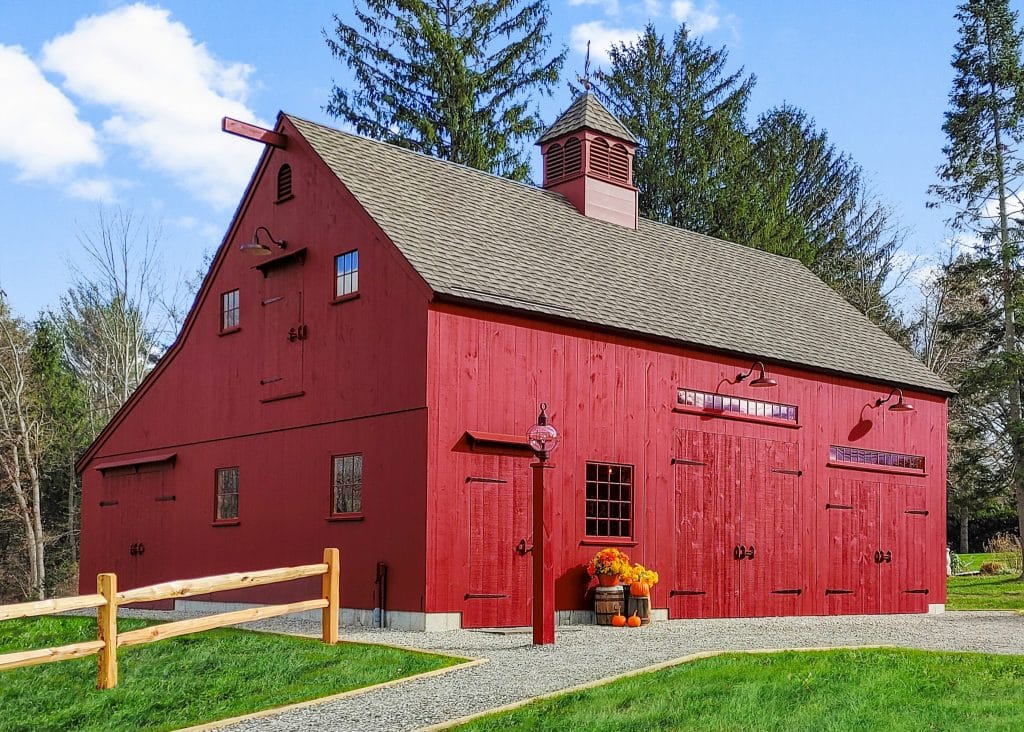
[(368, 384)]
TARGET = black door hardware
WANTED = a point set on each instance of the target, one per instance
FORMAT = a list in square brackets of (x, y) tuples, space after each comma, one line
[(137, 549), (522, 549), (743, 552), (885, 556)]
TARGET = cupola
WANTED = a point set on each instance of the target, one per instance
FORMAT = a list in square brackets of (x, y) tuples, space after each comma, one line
[(588, 158)]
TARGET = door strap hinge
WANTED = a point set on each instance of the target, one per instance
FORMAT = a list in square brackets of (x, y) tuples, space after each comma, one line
[(676, 593), (787, 592), (916, 592), (686, 461), (472, 596), (838, 592), (840, 506), (787, 471), (916, 512), (478, 479)]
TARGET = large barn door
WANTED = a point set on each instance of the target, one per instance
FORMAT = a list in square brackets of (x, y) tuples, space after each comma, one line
[(284, 332), (769, 540), (499, 578), (902, 546), (850, 571), (705, 582)]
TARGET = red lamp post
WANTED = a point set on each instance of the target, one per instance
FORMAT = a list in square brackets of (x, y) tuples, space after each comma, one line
[(543, 439)]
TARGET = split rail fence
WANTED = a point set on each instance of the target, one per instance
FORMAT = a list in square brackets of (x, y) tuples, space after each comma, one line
[(107, 600)]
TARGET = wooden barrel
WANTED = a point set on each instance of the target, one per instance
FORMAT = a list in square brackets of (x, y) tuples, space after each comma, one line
[(642, 607), (607, 602)]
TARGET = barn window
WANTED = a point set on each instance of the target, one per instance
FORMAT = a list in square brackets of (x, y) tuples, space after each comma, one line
[(609, 500), (701, 400), (554, 163), (619, 163), (599, 153), (876, 458), (226, 508), (284, 183), (346, 273), (347, 485), (229, 311)]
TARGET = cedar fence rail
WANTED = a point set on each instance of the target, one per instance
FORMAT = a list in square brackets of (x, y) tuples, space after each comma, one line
[(107, 600)]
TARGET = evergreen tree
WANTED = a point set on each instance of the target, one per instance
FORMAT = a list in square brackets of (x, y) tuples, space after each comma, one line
[(980, 179), (451, 78)]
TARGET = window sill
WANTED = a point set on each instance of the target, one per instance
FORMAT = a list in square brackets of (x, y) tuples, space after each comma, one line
[(229, 331), (287, 198), (891, 470), (226, 522), (345, 298), (346, 517), (280, 397), (607, 541), (714, 413)]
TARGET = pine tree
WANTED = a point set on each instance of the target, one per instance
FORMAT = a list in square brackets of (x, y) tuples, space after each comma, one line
[(981, 179), (450, 78)]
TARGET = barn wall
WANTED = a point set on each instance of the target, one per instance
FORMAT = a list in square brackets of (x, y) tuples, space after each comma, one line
[(357, 382), (612, 399)]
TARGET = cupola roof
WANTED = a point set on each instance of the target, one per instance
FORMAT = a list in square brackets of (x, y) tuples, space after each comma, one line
[(586, 112)]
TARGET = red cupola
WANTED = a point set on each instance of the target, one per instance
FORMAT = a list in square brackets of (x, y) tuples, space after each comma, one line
[(588, 158)]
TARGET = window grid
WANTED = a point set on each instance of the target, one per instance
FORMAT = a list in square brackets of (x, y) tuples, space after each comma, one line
[(227, 494), (229, 310), (346, 267), (722, 403), (839, 454), (347, 484), (609, 509)]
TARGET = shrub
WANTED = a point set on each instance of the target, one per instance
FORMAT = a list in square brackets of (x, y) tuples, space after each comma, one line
[(1006, 547), (992, 568)]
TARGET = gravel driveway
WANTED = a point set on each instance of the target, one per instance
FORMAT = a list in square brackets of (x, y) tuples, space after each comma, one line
[(583, 653)]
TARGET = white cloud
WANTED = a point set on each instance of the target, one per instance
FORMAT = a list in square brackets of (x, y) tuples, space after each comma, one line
[(602, 38), (611, 7), (92, 189), (652, 8), (699, 20), (166, 92), (40, 132)]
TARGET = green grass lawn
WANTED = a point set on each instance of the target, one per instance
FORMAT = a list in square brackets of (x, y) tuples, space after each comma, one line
[(183, 681), (981, 592), (973, 562), (832, 690)]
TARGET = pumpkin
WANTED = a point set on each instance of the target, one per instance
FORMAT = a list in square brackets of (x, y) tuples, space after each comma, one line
[(618, 620), (634, 621), (640, 589)]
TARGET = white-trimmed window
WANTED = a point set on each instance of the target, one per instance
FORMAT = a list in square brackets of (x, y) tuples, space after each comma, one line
[(346, 273), (229, 311)]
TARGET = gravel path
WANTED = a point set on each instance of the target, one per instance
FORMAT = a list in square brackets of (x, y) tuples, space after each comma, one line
[(583, 653)]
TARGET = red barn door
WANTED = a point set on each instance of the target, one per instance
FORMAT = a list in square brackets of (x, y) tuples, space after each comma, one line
[(902, 572), (499, 578), (284, 331), (850, 571)]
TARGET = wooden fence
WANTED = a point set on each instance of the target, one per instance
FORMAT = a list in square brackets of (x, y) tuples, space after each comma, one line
[(107, 600)]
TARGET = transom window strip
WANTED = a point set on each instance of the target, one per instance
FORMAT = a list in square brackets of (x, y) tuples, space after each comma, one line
[(839, 454), (229, 310), (609, 500), (346, 273), (227, 494), (723, 403), (348, 483)]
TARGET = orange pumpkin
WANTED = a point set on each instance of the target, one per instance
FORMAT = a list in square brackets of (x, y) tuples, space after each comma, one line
[(634, 621), (640, 589), (618, 620)]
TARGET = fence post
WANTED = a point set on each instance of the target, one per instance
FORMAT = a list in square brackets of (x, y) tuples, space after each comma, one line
[(330, 593), (106, 630)]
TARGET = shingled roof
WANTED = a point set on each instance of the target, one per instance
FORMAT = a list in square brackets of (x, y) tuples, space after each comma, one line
[(483, 238), (586, 112)]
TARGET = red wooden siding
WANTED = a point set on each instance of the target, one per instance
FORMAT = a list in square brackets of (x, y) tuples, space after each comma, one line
[(761, 484)]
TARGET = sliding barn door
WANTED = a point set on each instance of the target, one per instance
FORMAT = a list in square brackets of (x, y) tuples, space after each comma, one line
[(849, 563), (903, 518)]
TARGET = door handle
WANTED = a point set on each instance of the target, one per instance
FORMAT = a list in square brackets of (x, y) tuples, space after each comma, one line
[(741, 551), (521, 548), (750, 552)]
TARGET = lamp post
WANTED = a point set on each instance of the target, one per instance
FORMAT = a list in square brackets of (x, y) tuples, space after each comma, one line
[(543, 439)]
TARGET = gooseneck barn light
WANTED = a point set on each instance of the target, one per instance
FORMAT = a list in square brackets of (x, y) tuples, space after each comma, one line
[(258, 249), (899, 406), (761, 381)]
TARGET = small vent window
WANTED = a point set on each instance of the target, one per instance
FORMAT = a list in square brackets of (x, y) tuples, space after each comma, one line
[(573, 156), (284, 183), (554, 162), (619, 163), (599, 154), (879, 458)]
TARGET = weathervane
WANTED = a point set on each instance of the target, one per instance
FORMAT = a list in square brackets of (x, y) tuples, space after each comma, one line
[(585, 79)]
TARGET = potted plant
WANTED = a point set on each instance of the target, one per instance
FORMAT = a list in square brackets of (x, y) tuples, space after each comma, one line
[(608, 565)]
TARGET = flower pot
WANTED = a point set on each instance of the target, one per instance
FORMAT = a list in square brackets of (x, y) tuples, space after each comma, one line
[(607, 580)]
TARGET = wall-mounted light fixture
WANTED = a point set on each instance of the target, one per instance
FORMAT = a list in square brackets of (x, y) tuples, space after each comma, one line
[(899, 406), (258, 249), (761, 381)]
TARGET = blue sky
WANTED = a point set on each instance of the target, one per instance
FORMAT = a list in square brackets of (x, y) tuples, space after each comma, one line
[(108, 103)]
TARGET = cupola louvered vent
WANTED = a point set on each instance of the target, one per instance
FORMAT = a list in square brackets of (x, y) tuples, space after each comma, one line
[(573, 156), (619, 163), (554, 163), (599, 157), (284, 183)]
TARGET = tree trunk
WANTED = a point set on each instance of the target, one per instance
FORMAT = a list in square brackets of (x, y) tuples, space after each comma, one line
[(72, 512), (965, 522)]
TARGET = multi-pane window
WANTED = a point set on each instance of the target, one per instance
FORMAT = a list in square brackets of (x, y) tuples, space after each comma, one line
[(609, 500), (723, 403), (348, 484), (860, 456), (346, 268), (229, 310), (227, 494)]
